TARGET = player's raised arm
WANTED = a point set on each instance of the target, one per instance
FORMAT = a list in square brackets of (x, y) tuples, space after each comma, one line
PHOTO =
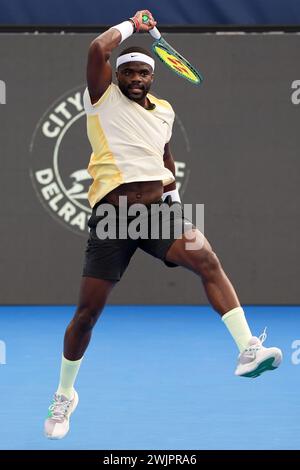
[(99, 72)]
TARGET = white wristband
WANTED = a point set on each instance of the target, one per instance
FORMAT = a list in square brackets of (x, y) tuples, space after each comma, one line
[(126, 29), (174, 195)]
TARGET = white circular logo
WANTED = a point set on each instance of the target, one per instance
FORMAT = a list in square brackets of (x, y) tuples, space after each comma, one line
[(60, 152)]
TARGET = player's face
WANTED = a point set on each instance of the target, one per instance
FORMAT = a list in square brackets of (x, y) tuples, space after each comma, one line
[(135, 79)]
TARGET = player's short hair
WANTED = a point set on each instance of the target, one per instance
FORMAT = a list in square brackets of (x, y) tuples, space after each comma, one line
[(129, 50)]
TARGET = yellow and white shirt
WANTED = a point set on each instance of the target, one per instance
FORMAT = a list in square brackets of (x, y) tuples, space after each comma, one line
[(127, 141)]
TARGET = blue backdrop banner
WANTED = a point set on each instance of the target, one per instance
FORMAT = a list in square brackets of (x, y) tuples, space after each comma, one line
[(180, 12)]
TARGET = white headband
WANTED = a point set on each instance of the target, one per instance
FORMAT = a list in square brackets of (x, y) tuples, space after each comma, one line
[(134, 57)]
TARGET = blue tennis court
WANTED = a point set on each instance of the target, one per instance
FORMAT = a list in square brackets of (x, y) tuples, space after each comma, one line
[(158, 377)]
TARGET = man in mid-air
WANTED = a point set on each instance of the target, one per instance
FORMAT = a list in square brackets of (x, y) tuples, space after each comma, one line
[(129, 131)]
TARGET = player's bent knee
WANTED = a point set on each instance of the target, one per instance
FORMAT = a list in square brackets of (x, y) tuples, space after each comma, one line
[(86, 318), (207, 265)]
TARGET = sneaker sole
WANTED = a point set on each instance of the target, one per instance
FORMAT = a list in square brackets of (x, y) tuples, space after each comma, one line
[(263, 367)]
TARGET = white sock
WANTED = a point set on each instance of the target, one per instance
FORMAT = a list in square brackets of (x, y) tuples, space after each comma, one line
[(68, 374), (237, 325)]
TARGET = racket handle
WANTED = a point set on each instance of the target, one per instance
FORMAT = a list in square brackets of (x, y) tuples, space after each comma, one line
[(155, 33)]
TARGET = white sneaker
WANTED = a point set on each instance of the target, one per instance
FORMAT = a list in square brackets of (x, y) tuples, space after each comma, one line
[(257, 359), (57, 423)]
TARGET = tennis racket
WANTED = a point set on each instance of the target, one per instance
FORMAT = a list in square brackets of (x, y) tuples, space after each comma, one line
[(172, 59)]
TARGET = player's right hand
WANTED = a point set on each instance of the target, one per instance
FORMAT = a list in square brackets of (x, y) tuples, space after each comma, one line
[(145, 26)]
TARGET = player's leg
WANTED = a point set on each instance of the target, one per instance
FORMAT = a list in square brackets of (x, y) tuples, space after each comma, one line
[(93, 296), (203, 261), (254, 358), (106, 259)]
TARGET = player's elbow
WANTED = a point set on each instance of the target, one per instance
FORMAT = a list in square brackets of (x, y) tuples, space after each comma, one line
[(99, 48), (96, 47)]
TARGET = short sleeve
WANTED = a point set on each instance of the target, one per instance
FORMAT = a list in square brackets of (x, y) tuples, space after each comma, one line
[(92, 108), (170, 125)]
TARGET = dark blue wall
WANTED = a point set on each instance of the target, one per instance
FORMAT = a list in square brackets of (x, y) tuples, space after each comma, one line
[(206, 12)]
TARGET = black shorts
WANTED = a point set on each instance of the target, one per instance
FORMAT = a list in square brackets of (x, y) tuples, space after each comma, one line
[(108, 258)]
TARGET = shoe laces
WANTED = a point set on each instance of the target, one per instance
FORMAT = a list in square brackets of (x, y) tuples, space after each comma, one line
[(249, 353), (58, 409), (262, 338), (257, 345)]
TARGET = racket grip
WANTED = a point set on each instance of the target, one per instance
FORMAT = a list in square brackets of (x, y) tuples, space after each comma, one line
[(155, 33)]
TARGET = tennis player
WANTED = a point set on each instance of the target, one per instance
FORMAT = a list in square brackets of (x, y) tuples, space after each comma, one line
[(129, 131)]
